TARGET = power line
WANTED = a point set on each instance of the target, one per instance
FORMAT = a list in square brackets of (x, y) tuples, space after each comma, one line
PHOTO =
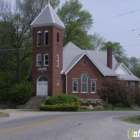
[(12, 49), (122, 32), (9, 45), (118, 15)]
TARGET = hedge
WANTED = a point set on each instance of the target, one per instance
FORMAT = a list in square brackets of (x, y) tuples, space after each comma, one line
[(61, 99), (60, 107)]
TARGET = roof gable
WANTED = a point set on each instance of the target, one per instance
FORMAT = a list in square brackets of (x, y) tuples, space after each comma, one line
[(71, 56), (122, 69), (47, 17)]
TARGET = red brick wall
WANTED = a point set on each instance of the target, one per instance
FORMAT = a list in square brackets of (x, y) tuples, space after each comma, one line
[(92, 73), (52, 73)]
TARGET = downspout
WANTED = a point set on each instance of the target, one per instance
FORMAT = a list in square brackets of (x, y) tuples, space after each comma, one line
[(66, 84)]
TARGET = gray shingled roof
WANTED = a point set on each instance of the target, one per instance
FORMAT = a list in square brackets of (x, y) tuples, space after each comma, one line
[(128, 77), (72, 54), (47, 17)]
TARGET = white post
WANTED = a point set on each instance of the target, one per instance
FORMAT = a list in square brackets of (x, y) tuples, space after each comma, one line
[(66, 85)]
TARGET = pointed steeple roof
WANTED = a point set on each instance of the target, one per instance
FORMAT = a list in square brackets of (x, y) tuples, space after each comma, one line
[(48, 17)]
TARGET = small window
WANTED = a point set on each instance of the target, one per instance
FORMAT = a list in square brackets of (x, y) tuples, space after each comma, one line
[(57, 37), (38, 60), (57, 60), (39, 38), (46, 38), (46, 60), (84, 83), (132, 85), (93, 86), (75, 86)]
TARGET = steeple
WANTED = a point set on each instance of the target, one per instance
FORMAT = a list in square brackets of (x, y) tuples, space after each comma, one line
[(47, 54), (47, 17)]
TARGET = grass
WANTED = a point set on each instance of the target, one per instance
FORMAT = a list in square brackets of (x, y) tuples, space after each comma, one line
[(109, 109), (3, 114), (135, 119)]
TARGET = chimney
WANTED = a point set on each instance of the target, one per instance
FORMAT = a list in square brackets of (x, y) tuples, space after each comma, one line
[(109, 57)]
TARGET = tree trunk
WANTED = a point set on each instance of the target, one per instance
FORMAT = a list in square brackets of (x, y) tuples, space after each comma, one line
[(113, 107)]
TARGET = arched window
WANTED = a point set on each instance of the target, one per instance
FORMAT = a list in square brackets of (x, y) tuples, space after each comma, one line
[(46, 38), (38, 59), (42, 78), (57, 60), (39, 38), (57, 36), (84, 83)]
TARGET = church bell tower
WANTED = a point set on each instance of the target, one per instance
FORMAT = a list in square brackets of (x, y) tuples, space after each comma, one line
[(47, 54)]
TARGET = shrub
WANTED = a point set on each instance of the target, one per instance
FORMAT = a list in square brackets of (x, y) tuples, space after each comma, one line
[(61, 107), (85, 104), (119, 105), (115, 91), (61, 99), (19, 92), (137, 96)]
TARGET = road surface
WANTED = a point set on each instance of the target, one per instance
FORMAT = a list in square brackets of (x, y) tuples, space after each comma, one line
[(103, 125)]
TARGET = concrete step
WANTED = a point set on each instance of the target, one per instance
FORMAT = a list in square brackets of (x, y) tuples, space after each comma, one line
[(35, 102), (135, 106)]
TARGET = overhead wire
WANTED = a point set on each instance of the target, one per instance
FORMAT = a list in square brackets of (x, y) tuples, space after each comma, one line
[(132, 30), (117, 15), (123, 32), (9, 45), (12, 49)]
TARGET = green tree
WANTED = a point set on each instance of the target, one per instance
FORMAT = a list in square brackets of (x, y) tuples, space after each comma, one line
[(118, 51), (20, 92), (134, 66), (77, 22), (97, 41), (16, 32)]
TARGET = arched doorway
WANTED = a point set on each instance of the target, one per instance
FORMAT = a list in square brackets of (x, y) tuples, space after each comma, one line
[(42, 86)]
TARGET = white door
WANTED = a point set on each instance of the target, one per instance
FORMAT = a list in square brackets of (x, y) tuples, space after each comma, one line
[(42, 86)]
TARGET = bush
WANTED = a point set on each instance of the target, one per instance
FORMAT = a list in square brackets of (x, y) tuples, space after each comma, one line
[(115, 91), (61, 107), (61, 99), (119, 105), (137, 96), (19, 92), (85, 104)]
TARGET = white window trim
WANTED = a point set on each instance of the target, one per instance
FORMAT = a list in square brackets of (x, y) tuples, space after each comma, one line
[(45, 38), (95, 86), (44, 59), (37, 59), (73, 85), (81, 83), (37, 39), (57, 60)]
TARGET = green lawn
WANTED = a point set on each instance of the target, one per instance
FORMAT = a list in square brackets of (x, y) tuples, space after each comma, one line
[(109, 109), (135, 119), (3, 114)]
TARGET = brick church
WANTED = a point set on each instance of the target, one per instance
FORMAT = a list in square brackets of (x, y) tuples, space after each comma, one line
[(56, 69)]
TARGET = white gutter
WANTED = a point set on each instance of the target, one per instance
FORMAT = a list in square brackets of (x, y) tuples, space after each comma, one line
[(66, 84)]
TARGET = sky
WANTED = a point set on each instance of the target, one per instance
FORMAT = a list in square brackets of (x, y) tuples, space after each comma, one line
[(124, 29), (111, 29)]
